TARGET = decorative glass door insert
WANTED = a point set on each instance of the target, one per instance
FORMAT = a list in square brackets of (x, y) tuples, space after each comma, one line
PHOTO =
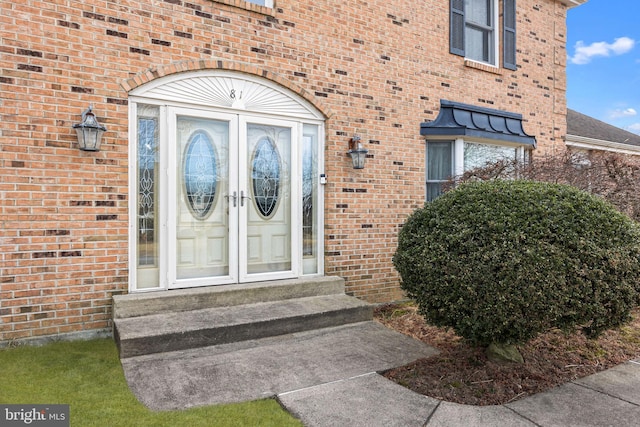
[(146, 212), (266, 202), (231, 208), (202, 179)]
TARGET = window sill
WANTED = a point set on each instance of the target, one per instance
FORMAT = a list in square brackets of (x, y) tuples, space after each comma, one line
[(241, 4), (484, 67)]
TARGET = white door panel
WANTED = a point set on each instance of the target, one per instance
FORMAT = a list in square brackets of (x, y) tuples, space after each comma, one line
[(204, 251), (231, 204), (266, 215)]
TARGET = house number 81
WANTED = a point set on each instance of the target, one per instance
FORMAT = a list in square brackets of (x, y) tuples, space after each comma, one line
[(232, 94)]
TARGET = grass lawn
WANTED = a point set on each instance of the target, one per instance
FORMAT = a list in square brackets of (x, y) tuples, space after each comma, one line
[(87, 375)]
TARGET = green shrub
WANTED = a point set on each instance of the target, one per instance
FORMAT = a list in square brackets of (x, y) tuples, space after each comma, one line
[(502, 261)]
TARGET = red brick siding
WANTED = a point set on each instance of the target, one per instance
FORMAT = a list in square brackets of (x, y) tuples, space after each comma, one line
[(375, 68)]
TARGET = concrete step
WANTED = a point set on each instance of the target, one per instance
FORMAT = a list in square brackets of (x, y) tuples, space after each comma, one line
[(144, 304), (180, 330)]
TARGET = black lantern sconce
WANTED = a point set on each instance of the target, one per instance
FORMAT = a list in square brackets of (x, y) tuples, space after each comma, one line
[(357, 152), (89, 131)]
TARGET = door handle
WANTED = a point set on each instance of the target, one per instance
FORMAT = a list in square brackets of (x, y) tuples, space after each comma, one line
[(234, 197), (242, 197)]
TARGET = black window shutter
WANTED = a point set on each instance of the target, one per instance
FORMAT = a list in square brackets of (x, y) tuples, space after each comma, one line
[(509, 35), (456, 28)]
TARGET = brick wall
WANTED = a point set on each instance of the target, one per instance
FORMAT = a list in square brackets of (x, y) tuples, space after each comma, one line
[(376, 68)]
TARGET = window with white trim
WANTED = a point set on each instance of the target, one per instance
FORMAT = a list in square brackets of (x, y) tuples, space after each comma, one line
[(479, 30), (447, 159), (267, 3), (440, 166), (474, 31)]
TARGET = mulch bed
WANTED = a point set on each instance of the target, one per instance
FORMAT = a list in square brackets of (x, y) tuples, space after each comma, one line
[(462, 373)]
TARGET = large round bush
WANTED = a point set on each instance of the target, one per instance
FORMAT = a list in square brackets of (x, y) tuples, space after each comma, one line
[(501, 261)]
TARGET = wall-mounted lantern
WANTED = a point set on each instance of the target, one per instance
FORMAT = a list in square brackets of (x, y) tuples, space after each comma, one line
[(89, 131), (357, 152)]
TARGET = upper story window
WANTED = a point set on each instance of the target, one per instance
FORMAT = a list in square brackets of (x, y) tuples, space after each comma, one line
[(479, 30), (259, 6), (267, 3), (474, 31)]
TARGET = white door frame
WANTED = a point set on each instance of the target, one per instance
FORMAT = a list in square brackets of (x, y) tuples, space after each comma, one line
[(216, 94), (244, 187), (238, 208), (170, 233)]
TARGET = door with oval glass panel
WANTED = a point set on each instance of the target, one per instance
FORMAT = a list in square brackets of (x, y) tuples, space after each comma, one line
[(268, 207), (231, 192), (202, 250)]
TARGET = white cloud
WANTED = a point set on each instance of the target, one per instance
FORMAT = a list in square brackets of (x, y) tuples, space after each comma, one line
[(635, 128), (629, 112), (584, 54)]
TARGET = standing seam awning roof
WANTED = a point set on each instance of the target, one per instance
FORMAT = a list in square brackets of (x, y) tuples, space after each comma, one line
[(463, 120)]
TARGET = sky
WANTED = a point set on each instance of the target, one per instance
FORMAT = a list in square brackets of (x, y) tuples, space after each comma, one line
[(603, 61)]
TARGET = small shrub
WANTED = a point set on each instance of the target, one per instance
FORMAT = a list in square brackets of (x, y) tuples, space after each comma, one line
[(502, 261)]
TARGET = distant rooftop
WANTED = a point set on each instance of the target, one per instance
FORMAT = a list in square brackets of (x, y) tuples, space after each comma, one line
[(583, 126)]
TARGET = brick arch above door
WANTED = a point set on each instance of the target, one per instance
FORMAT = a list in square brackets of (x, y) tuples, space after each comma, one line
[(134, 84)]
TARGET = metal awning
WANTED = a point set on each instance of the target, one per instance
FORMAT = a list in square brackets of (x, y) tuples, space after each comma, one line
[(458, 120)]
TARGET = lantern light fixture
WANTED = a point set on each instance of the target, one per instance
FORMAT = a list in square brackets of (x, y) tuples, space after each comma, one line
[(357, 152), (89, 131)]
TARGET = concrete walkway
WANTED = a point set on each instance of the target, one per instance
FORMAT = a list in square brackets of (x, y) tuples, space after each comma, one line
[(329, 377), (609, 398)]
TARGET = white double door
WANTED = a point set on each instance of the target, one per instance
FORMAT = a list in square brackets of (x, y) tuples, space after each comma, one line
[(233, 198)]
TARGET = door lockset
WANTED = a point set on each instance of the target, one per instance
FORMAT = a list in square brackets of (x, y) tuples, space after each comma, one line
[(242, 197), (234, 197)]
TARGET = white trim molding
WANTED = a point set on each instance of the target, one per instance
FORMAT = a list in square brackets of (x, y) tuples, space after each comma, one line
[(572, 3), (584, 143), (229, 90)]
